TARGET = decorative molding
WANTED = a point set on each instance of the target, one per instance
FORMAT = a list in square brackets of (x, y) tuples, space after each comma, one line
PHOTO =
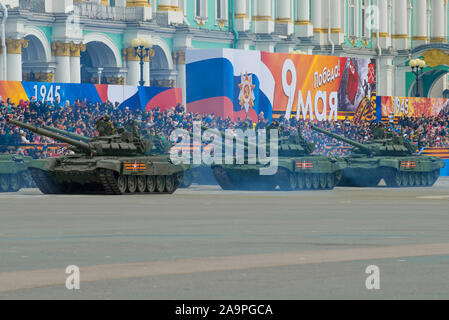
[(60, 49), (15, 46), (435, 58), (179, 57), (76, 49)]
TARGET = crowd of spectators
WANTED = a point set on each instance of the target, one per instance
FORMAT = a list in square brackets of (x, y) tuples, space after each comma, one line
[(80, 118)]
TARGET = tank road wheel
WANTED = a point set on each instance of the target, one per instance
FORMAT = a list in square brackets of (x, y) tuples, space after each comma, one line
[(170, 186), (393, 178), (160, 184), (287, 181), (141, 184), (404, 179), (132, 184), (4, 183), (308, 181), (151, 184), (316, 181), (323, 181), (330, 181), (423, 178), (411, 179), (15, 183), (301, 181), (122, 183)]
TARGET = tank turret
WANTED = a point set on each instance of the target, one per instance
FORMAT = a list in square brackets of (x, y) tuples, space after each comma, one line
[(121, 144), (395, 146), (291, 145)]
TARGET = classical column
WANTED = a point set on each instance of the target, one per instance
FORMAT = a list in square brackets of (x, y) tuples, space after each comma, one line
[(319, 13), (284, 19), (438, 34), (303, 25), (338, 36), (384, 35), (61, 51), (242, 21), (14, 58), (263, 17), (400, 36), (419, 22), (179, 58), (75, 65)]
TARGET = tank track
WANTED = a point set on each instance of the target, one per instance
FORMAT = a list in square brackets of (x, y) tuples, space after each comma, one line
[(44, 182), (108, 179), (286, 180), (223, 179)]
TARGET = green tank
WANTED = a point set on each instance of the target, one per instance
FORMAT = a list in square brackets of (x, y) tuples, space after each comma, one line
[(298, 169), (392, 159), (119, 163), (14, 173)]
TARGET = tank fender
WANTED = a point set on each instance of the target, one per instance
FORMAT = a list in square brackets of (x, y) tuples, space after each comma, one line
[(43, 164), (390, 163), (109, 164)]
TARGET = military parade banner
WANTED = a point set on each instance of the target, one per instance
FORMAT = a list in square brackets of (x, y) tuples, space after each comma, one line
[(135, 98), (397, 107), (240, 84)]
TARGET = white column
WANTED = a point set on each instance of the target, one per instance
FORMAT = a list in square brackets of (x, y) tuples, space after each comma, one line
[(146, 73), (133, 76), (338, 36), (400, 36), (75, 70), (242, 21), (263, 19), (14, 67), (303, 25), (62, 69), (180, 60), (284, 19), (384, 35), (438, 21), (419, 22), (319, 13), (62, 52), (14, 58)]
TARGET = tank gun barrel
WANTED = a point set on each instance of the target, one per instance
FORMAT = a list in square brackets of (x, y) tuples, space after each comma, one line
[(360, 146), (68, 134), (81, 145)]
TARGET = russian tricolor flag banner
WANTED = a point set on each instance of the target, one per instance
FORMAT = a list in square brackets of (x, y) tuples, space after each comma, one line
[(248, 84)]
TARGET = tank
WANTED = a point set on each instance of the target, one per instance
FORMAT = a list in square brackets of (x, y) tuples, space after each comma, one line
[(14, 173), (159, 148), (117, 163), (392, 159), (298, 169)]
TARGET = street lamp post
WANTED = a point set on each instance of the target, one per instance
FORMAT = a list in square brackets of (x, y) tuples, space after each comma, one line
[(100, 71), (142, 49), (417, 66)]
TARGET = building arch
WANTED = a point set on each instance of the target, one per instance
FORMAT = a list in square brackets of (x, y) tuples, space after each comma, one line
[(39, 35), (101, 58), (162, 72), (106, 41)]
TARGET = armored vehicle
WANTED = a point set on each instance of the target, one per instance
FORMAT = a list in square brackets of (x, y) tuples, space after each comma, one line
[(298, 169), (14, 172), (392, 159), (113, 163)]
